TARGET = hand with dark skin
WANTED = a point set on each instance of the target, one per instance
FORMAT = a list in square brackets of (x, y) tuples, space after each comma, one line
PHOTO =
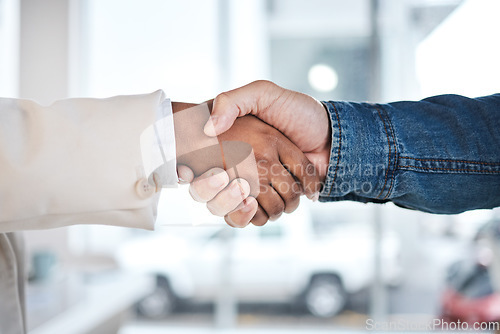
[(298, 116), (284, 171), (284, 175)]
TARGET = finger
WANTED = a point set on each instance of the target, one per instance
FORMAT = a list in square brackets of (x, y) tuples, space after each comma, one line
[(298, 164), (260, 218), (208, 185), (271, 202), (239, 102), (185, 174), (243, 213), (286, 186), (240, 163), (229, 199)]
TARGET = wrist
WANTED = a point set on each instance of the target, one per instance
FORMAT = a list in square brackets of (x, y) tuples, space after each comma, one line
[(179, 106), (193, 147), (321, 156)]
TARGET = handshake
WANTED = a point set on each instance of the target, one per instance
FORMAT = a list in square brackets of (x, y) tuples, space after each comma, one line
[(255, 154)]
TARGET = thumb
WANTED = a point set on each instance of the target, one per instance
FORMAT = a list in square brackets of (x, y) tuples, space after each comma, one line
[(224, 113), (184, 174), (239, 102)]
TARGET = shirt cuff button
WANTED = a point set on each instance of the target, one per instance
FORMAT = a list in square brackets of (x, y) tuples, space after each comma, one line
[(143, 189)]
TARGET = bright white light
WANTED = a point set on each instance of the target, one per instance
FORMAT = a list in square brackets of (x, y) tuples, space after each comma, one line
[(323, 78), (457, 57)]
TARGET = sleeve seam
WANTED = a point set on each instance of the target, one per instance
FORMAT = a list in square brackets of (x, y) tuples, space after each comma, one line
[(396, 160), (390, 160), (338, 150)]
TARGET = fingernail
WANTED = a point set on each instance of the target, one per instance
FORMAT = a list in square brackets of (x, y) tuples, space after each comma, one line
[(214, 119), (181, 180), (237, 190), (211, 125), (216, 181), (230, 222), (246, 207), (313, 197)]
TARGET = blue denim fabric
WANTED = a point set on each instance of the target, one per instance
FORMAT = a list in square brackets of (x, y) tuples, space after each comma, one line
[(439, 155)]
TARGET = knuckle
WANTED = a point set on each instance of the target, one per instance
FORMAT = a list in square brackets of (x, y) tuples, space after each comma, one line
[(243, 185), (215, 171), (294, 195), (222, 204), (222, 98), (309, 168), (265, 157), (262, 84), (276, 209)]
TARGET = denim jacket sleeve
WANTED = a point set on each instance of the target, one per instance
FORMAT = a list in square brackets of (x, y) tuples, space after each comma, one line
[(439, 155)]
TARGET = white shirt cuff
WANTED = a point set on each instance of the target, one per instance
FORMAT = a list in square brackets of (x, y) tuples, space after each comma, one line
[(158, 148)]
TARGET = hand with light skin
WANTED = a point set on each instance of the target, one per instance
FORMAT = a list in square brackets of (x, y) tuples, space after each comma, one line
[(284, 173), (299, 117)]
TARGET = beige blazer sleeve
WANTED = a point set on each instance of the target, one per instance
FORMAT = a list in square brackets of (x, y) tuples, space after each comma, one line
[(77, 161)]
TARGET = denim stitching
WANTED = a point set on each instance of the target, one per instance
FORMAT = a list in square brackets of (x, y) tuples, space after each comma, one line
[(460, 161), (453, 169), (338, 151), (390, 151), (393, 174)]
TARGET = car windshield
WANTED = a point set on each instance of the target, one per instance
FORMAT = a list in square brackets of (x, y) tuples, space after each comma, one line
[(478, 284)]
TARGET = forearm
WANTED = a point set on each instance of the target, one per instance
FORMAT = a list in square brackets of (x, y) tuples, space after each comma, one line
[(439, 155)]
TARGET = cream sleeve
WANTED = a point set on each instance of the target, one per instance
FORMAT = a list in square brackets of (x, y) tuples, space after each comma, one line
[(79, 161)]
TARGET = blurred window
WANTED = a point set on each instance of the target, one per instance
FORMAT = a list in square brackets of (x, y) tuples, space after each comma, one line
[(9, 43)]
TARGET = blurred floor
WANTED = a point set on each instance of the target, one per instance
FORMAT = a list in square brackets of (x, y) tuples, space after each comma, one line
[(150, 329)]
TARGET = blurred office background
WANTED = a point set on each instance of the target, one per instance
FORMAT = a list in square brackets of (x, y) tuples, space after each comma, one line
[(328, 266)]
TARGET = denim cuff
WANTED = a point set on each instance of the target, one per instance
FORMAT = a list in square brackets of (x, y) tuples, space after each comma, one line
[(363, 153)]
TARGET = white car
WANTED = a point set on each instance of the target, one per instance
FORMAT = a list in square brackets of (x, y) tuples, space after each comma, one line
[(284, 261)]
